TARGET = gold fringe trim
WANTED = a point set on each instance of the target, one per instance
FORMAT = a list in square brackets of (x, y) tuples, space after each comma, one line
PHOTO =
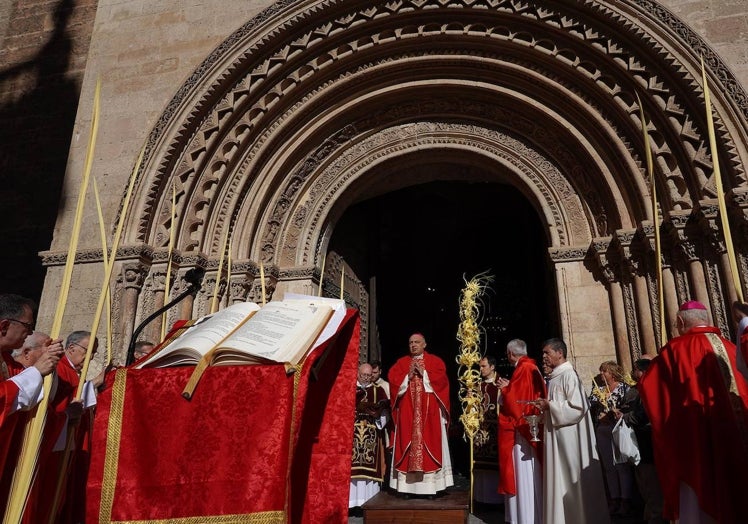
[(296, 382), (264, 517), (113, 437)]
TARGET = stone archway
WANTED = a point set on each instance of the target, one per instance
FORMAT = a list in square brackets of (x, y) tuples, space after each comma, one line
[(276, 132)]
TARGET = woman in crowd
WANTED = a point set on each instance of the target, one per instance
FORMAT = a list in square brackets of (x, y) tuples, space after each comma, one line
[(606, 398)]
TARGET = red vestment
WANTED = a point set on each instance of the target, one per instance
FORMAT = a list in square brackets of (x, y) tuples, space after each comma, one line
[(526, 384), (697, 403), (12, 426), (418, 438), (71, 503)]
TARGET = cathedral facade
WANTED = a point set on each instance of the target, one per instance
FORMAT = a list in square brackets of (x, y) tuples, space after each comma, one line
[(259, 124)]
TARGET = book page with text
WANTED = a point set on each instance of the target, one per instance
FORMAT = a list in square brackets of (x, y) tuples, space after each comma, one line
[(339, 310), (203, 335), (279, 330)]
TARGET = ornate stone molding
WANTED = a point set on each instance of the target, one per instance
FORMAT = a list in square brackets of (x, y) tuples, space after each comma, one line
[(299, 226), (568, 254), (265, 62)]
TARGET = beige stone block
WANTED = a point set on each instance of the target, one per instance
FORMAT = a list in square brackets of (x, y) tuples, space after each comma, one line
[(727, 29), (593, 343), (589, 320)]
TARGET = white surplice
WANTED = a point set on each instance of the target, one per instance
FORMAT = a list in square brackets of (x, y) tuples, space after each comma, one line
[(526, 507), (573, 489)]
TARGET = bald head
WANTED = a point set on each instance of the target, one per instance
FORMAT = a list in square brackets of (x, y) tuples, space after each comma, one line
[(364, 374), (416, 344)]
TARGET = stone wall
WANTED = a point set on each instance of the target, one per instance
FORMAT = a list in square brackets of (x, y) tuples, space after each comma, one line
[(723, 24), (143, 51), (43, 52)]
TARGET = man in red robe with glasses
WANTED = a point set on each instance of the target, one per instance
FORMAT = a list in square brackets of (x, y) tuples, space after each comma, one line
[(419, 390), (20, 388), (697, 403)]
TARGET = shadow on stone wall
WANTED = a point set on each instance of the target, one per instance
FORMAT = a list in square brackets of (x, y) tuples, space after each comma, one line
[(37, 115)]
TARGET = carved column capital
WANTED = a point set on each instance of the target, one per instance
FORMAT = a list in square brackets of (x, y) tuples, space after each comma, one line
[(239, 288), (134, 275)]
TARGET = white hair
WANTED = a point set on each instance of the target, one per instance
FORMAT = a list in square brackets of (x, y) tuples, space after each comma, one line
[(517, 347), (34, 341), (694, 317)]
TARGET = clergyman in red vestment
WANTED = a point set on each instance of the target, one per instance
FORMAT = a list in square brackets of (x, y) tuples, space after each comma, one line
[(420, 409), (697, 403), (21, 387), (520, 469), (65, 414)]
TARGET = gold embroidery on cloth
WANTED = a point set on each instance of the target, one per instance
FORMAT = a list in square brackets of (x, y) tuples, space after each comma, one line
[(415, 454), (111, 454), (296, 382), (264, 517), (724, 365)]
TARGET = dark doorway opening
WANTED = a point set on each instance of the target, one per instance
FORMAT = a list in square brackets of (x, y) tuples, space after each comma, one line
[(417, 244)]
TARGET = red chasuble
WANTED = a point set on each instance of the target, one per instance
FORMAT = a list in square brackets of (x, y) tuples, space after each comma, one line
[(12, 427), (697, 404), (418, 442), (526, 384)]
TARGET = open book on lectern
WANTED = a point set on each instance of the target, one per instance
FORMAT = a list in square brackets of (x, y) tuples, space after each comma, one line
[(246, 333)]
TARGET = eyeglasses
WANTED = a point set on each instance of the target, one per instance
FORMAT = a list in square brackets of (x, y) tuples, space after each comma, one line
[(29, 327), (84, 348)]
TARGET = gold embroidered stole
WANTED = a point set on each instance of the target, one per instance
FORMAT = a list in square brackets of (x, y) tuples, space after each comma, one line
[(736, 403), (415, 454)]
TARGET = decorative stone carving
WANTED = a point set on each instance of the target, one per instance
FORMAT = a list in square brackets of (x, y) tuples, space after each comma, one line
[(231, 130)]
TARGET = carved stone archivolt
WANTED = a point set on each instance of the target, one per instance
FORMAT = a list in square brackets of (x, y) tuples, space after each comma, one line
[(312, 106)]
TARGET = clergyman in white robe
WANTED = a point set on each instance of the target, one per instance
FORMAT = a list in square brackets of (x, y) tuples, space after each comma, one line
[(573, 489)]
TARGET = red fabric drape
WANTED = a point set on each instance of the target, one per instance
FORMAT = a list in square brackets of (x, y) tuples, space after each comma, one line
[(699, 427), (228, 450), (321, 472)]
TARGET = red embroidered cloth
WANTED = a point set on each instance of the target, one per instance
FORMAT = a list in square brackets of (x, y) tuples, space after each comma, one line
[(253, 443)]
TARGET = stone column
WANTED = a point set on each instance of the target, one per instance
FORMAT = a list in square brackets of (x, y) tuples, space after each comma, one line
[(730, 284), (623, 350), (696, 276), (670, 290), (133, 277), (158, 286), (644, 312), (186, 306)]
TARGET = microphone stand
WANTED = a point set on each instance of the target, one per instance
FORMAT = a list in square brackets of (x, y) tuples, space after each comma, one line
[(194, 277)]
